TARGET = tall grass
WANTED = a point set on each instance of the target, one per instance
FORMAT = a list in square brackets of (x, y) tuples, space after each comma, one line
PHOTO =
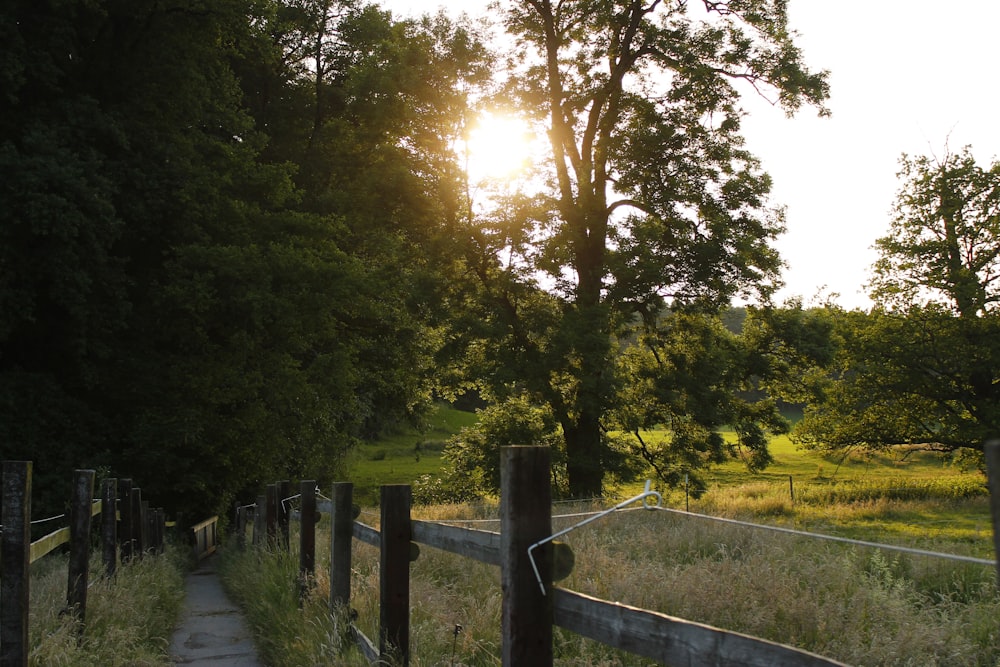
[(129, 618), (859, 605)]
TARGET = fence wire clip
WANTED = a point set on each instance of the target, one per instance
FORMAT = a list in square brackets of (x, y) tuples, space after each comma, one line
[(644, 497)]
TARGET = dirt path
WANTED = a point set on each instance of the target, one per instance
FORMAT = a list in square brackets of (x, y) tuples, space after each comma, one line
[(213, 632)]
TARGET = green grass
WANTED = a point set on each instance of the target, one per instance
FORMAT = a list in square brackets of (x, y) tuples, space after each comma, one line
[(403, 457), (129, 618)]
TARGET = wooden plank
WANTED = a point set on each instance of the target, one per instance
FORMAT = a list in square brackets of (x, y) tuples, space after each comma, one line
[(367, 534), (394, 573), (365, 645), (15, 547), (672, 640), (525, 519), (480, 545), (45, 545)]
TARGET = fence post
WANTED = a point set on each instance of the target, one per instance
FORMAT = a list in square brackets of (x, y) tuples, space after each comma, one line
[(109, 526), (239, 522), (992, 450), (125, 519), (307, 536), (259, 516), (525, 518), (394, 573), (138, 531), (79, 545), (15, 554), (341, 538), (272, 515), (284, 491)]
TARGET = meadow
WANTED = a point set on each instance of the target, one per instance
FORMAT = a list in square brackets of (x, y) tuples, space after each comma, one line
[(858, 604)]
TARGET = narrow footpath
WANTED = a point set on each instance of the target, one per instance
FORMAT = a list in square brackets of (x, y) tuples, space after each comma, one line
[(213, 632)]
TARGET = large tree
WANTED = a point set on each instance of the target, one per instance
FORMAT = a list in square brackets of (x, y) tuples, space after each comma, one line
[(217, 224), (922, 367), (652, 201)]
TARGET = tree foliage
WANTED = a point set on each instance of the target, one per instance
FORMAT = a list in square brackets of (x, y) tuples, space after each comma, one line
[(218, 232), (943, 244), (652, 200), (921, 367)]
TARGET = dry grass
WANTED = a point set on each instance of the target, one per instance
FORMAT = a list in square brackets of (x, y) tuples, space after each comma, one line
[(129, 618), (858, 605)]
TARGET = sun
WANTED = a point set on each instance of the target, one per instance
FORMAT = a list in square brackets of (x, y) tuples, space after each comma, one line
[(498, 147)]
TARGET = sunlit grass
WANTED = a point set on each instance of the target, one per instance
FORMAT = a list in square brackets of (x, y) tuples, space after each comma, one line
[(858, 604), (129, 618), (861, 605)]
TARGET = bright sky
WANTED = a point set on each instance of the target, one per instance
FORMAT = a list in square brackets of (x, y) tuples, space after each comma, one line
[(906, 77)]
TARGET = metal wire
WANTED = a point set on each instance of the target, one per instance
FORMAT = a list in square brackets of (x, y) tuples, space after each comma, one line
[(833, 538)]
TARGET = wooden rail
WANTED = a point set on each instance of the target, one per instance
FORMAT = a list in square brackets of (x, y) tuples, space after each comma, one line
[(206, 537), (43, 546)]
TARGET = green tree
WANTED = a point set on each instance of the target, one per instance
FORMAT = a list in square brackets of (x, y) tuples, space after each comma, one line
[(943, 244), (921, 367), (651, 201)]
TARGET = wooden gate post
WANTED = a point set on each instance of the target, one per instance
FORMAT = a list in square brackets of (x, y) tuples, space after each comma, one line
[(341, 538), (992, 450), (109, 526), (15, 556), (307, 536), (394, 573), (125, 519), (525, 519), (79, 544)]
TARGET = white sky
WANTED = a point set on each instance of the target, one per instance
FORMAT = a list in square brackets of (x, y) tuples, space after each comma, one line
[(906, 77)]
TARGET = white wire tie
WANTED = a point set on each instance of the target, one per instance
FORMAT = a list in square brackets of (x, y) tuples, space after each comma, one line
[(284, 506), (644, 497)]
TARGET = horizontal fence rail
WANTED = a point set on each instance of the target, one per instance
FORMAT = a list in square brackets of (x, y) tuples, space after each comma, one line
[(43, 546)]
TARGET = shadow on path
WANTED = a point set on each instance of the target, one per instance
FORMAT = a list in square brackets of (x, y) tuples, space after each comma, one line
[(213, 632)]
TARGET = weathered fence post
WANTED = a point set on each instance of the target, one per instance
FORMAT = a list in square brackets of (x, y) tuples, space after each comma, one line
[(341, 538), (79, 545), (109, 526), (259, 517), (125, 519), (525, 519), (147, 533), (138, 532), (307, 536), (284, 528), (15, 554), (394, 573), (992, 450), (238, 525), (272, 515)]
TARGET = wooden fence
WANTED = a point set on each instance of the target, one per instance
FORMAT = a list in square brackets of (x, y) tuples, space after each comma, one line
[(531, 604), (132, 530)]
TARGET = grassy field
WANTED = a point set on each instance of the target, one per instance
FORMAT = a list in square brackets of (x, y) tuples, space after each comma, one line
[(403, 457), (858, 604)]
